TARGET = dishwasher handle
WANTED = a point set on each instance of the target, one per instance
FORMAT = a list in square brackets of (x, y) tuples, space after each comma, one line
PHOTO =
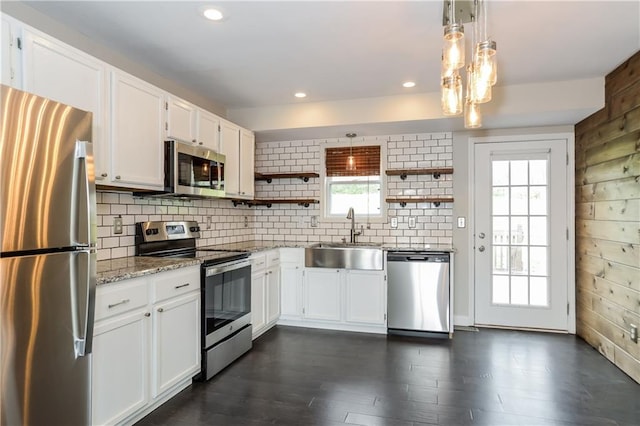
[(437, 257)]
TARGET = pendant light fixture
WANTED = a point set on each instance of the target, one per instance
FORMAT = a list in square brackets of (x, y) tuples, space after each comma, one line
[(351, 160), (481, 72)]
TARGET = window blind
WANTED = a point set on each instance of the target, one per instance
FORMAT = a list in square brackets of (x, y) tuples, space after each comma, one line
[(367, 161)]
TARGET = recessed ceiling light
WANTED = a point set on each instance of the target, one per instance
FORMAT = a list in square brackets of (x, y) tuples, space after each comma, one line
[(300, 95), (408, 84), (213, 14)]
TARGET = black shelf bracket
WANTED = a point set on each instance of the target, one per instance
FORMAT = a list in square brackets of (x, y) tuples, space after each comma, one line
[(403, 204), (436, 203), (403, 176), (269, 180), (436, 175)]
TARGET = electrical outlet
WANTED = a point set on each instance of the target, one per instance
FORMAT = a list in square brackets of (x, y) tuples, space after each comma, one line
[(246, 221), (412, 222), (314, 221), (208, 222), (634, 333), (394, 222), (117, 225)]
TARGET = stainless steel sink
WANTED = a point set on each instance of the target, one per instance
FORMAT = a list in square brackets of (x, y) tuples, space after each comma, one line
[(344, 255)]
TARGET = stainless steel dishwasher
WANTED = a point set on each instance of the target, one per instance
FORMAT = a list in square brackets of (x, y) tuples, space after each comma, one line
[(419, 293)]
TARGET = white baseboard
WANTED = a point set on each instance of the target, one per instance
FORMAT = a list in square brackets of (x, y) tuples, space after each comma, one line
[(463, 320)]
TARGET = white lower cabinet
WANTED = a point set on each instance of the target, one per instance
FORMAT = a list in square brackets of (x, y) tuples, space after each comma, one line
[(176, 353), (322, 288), (291, 267), (338, 299), (265, 291), (146, 343)]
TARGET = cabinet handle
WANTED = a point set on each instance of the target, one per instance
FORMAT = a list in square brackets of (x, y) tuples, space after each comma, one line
[(147, 314), (160, 310), (104, 175), (182, 285), (122, 302), (118, 177), (200, 143), (193, 140)]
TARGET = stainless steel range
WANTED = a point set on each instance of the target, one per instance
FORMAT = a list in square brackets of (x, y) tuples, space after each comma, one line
[(225, 287)]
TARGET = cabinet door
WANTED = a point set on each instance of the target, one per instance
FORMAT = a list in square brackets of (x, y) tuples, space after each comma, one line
[(208, 135), (322, 294), (273, 294), (247, 163), (136, 132), (366, 297), (230, 147), (176, 341), (290, 291), (181, 120), (258, 311), (120, 367), (59, 72), (11, 71)]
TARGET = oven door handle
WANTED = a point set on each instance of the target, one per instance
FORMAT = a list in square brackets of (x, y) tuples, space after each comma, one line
[(219, 269)]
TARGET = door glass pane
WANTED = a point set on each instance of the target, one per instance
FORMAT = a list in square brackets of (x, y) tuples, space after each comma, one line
[(538, 230), (501, 259), (538, 260), (501, 230), (519, 200), (519, 173), (501, 200), (519, 291), (500, 173), (519, 230), (520, 234), (539, 292), (538, 172), (500, 289), (538, 199), (519, 261)]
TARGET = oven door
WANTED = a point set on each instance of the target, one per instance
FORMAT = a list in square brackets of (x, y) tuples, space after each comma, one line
[(226, 300)]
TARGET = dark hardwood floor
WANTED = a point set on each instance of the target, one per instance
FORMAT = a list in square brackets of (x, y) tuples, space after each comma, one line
[(298, 376)]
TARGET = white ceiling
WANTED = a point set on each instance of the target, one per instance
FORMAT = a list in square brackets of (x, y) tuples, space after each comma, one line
[(264, 51)]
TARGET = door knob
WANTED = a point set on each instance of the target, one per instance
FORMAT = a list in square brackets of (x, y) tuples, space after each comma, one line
[(481, 248), (481, 235)]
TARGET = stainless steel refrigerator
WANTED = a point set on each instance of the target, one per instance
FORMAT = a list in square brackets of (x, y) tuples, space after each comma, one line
[(47, 261)]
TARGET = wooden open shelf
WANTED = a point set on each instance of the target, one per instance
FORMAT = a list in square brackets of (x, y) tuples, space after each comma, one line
[(270, 176), (305, 202), (436, 172), (404, 200)]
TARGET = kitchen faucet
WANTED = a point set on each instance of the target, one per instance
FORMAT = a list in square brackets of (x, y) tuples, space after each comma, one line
[(351, 215)]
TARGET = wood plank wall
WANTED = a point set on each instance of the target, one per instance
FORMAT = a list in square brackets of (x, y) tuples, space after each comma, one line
[(608, 220)]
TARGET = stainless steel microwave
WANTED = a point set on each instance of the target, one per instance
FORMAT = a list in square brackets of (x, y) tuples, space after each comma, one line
[(191, 170)]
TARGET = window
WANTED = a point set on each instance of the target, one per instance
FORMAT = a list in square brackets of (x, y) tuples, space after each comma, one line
[(360, 188)]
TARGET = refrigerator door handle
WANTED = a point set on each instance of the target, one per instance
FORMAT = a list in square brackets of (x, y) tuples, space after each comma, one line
[(84, 196), (83, 293)]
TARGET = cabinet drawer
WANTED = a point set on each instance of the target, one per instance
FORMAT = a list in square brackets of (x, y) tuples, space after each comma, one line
[(258, 262), (121, 297), (174, 283), (273, 258)]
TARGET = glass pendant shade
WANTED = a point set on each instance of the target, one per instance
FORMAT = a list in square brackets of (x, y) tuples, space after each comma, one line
[(480, 89), (472, 116), (452, 95), (453, 49), (351, 163), (485, 59)]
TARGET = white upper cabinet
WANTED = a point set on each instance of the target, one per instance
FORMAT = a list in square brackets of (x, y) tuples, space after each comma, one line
[(238, 146), (188, 123), (11, 61), (64, 74), (137, 123), (181, 120), (208, 134)]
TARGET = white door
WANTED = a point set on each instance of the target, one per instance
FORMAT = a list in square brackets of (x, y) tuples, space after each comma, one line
[(521, 234)]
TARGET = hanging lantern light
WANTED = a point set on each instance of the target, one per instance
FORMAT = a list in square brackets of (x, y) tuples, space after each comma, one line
[(485, 59), (472, 116), (453, 51), (351, 160), (452, 95)]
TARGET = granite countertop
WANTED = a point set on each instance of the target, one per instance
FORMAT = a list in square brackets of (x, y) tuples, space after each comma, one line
[(130, 267), (114, 270)]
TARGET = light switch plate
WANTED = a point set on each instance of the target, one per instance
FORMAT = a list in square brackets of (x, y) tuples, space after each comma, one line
[(412, 222), (394, 222), (314, 221), (461, 222)]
